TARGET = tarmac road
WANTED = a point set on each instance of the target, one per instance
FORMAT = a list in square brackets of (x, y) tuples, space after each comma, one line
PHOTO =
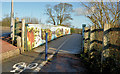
[(67, 59), (64, 61), (36, 55)]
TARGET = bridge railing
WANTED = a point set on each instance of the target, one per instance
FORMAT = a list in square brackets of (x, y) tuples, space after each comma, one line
[(36, 34)]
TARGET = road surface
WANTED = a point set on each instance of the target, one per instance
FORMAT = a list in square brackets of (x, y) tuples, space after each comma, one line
[(64, 61), (67, 59)]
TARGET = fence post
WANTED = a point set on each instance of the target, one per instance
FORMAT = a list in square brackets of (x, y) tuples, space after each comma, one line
[(23, 35), (19, 41), (110, 44), (13, 31), (106, 40), (86, 39), (83, 26), (46, 47), (26, 47), (92, 38)]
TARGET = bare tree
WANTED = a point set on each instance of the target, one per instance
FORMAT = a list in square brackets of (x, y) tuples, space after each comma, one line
[(102, 12), (50, 13), (59, 13)]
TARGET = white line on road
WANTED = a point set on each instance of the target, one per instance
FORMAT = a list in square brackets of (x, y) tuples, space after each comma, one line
[(44, 62), (62, 44)]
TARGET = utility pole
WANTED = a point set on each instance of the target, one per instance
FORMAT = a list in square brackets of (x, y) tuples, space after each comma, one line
[(12, 17)]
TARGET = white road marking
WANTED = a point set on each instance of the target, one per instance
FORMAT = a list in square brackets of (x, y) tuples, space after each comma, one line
[(22, 65), (44, 62)]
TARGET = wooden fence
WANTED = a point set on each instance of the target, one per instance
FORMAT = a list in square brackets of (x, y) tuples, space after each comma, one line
[(105, 41)]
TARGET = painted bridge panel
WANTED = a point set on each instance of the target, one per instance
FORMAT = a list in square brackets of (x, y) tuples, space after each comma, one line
[(36, 34)]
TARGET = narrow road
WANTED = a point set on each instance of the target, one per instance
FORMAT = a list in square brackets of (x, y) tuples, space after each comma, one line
[(72, 45), (67, 59)]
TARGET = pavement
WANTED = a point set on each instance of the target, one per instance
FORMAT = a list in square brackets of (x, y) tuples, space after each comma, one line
[(34, 60), (7, 50), (6, 46)]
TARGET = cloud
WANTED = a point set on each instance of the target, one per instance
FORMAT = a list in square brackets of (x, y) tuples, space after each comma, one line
[(84, 11), (80, 11)]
